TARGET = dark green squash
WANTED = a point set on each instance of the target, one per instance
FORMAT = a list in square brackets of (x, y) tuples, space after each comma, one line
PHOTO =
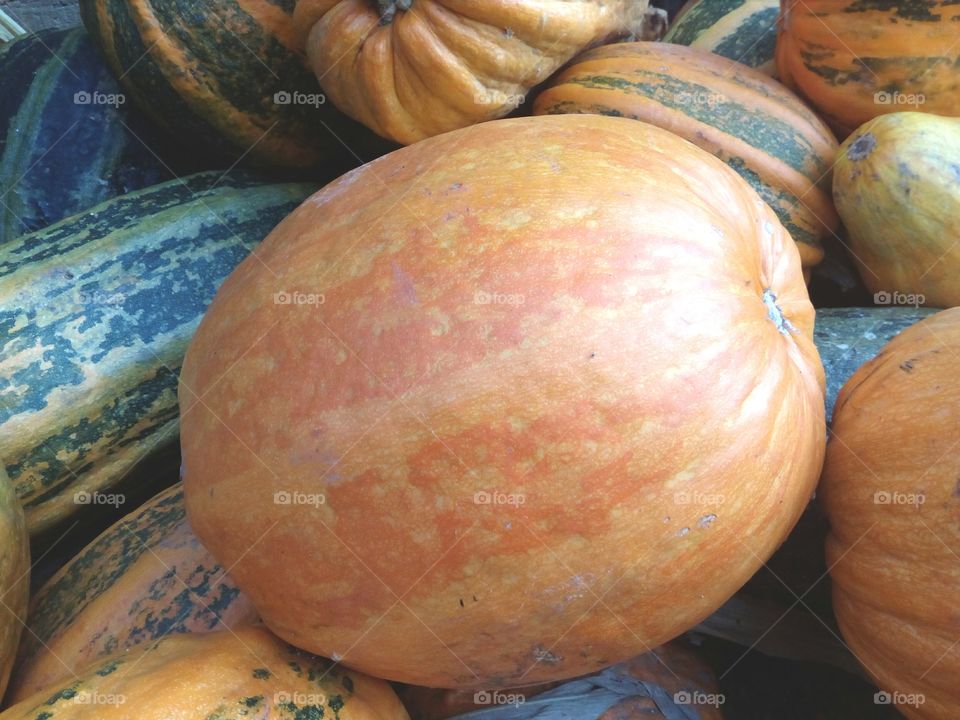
[(96, 312), (67, 139), (226, 78)]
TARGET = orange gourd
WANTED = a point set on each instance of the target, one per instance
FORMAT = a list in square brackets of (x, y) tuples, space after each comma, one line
[(409, 69)]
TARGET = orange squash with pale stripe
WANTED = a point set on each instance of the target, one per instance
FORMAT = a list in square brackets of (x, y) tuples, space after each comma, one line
[(856, 59), (466, 390)]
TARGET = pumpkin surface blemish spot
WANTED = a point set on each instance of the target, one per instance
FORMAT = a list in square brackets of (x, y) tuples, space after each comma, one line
[(261, 673)]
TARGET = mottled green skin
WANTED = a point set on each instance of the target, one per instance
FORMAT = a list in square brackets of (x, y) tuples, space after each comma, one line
[(233, 57), (849, 337), (96, 314), (754, 42), (59, 157), (302, 678), (191, 595)]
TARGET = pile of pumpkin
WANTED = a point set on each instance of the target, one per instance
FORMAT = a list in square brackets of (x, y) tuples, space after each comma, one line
[(492, 416)]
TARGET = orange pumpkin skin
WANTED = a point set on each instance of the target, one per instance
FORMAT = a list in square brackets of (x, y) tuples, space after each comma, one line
[(856, 60), (242, 674), (891, 493), (673, 667), (748, 120), (503, 311), (446, 64), (145, 577)]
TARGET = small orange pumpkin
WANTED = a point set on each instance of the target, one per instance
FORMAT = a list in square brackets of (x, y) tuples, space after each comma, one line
[(409, 69)]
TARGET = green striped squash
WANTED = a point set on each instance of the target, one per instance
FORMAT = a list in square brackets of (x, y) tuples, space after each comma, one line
[(228, 77), (745, 118), (145, 577), (848, 337), (68, 141), (96, 312), (741, 30)]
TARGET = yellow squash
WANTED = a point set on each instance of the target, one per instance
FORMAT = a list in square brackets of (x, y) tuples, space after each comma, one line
[(896, 186)]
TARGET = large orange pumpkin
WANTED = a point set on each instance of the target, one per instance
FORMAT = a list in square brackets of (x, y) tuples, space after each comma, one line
[(854, 60), (508, 405), (409, 69), (891, 492)]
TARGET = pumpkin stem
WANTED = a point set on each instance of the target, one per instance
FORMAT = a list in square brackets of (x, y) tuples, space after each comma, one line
[(776, 314), (862, 146), (388, 9)]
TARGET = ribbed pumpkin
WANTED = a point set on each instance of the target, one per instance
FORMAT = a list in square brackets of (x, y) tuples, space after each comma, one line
[(897, 187), (749, 121), (854, 60), (741, 30), (14, 576), (246, 673), (226, 78), (486, 403), (146, 577), (410, 69), (667, 682), (64, 145), (890, 490)]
